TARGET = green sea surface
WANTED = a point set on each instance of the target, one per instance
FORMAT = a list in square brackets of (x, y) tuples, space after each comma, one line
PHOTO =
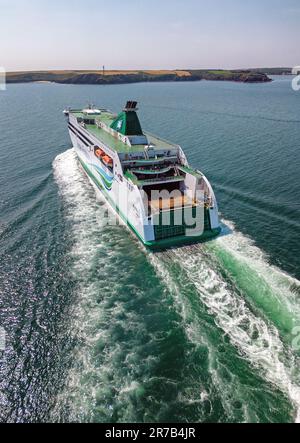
[(98, 329)]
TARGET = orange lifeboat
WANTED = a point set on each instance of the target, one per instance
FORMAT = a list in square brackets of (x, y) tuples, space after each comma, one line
[(99, 153), (107, 160)]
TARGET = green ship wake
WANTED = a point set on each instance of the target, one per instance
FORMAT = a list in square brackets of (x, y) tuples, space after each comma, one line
[(219, 314), (252, 303)]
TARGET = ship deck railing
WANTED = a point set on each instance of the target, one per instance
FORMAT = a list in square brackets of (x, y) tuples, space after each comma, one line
[(161, 139), (149, 161), (166, 205), (151, 181)]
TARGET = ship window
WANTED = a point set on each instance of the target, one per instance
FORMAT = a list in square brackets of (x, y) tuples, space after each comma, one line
[(89, 121)]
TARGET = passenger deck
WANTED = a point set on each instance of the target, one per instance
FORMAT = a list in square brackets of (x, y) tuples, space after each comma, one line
[(108, 118)]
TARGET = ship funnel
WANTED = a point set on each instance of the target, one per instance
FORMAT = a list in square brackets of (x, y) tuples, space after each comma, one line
[(131, 106), (127, 123)]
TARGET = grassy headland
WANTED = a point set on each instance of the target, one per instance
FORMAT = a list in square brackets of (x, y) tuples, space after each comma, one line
[(274, 71), (119, 77)]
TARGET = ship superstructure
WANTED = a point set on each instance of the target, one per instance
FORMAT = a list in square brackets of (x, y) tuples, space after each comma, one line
[(145, 179)]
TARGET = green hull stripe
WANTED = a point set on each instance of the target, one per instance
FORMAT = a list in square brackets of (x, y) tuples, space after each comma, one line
[(156, 244), (183, 240), (112, 203)]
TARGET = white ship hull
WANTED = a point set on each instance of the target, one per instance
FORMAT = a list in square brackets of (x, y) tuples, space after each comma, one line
[(127, 200), (117, 194)]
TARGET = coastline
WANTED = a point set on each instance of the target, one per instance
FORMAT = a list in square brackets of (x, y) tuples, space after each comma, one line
[(127, 77)]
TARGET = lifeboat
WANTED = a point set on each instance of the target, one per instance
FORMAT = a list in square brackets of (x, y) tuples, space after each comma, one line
[(99, 153), (107, 160)]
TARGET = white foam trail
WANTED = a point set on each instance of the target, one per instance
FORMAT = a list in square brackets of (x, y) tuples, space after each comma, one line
[(197, 336), (285, 287), (284, 290), (86, 213), (95, 388), (86, 219), (258, 341)]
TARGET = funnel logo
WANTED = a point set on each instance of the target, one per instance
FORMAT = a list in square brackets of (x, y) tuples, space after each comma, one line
[(296, 80), (2, 79)]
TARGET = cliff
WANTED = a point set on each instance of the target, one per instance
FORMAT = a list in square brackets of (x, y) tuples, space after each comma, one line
[(119, 77)]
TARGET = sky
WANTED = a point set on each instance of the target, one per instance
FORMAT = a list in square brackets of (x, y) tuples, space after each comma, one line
[(148, 34)]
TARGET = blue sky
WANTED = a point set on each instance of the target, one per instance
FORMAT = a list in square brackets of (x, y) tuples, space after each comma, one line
[(137, 34)]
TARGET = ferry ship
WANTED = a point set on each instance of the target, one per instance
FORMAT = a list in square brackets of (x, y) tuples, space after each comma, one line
[(146, 180)]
